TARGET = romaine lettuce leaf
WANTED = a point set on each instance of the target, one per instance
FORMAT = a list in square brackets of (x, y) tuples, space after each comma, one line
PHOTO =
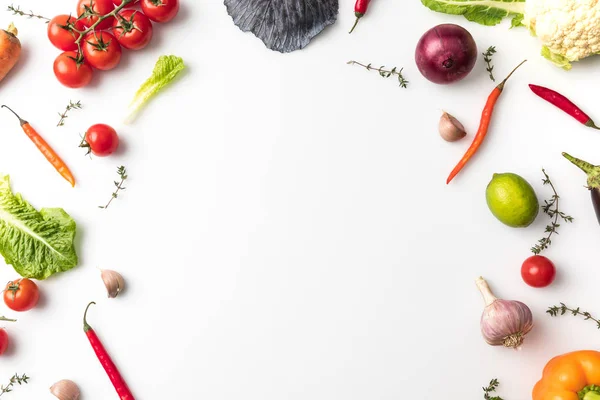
[(484, 12), (36, 244), (557, 59)]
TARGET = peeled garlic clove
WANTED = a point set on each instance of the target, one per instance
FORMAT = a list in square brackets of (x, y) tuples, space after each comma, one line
[(503, 322), (113, 281), (65, 390), (450, 128)]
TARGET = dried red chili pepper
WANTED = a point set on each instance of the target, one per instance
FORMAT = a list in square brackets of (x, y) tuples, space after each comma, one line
[(593, 182), (360, 9), (564, 104), (109, 366)]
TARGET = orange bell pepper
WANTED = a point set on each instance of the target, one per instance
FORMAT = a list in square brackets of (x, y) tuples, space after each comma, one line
[(571, 376)]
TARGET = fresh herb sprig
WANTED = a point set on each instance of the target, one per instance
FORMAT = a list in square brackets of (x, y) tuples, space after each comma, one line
[(562, 309), (118, 184), (72, 106), (487, 57), (551, 209), (17, 11), (490, 389), (21, 380), (386, 73)]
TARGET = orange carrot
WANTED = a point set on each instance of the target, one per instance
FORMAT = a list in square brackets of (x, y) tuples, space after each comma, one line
[(46, 150), (484, 124), (10, 50)]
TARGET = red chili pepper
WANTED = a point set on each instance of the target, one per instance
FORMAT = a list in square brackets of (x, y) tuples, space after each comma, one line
[(484, 124), (564, 104), (109, 366), (360, 9)]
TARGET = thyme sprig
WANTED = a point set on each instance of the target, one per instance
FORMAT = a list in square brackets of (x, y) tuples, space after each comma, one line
[(490, 389), (118, 184), (487, 57), (386, 73), (551, 209), (21, 380), (71, 106), (17, 11), (562, 309)]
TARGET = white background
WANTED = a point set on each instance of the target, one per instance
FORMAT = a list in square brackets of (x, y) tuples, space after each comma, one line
[(286, 232)]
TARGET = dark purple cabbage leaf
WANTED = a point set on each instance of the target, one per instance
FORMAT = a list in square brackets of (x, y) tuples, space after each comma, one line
[(283, 25)]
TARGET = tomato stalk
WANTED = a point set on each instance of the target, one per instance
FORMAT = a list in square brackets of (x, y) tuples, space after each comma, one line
[(3, 318)]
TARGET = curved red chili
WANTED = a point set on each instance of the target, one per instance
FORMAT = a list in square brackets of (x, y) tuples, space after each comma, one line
[(564, 104), (109, 366), (360, 9)]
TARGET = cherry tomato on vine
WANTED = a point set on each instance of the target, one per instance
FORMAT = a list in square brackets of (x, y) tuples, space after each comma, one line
[(160, 10), (21, 295), (101, 140), (3, 340), (61, 33), (92, 9), (119, 2), (70, 72), (132, 29), (101, 50), (538, 271)]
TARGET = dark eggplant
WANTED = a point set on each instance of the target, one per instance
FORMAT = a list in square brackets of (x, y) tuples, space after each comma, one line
[(593, 182)]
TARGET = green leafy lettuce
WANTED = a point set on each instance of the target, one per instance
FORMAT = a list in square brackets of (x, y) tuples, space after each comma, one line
[(165, 70), (485, 12), (37, 244)]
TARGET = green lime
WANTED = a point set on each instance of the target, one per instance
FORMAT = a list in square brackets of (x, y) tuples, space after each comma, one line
[(512, 200)]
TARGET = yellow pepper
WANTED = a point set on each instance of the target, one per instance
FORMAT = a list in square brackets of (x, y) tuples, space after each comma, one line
[(571, 376)]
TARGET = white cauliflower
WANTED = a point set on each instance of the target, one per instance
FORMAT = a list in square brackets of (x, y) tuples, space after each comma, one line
[(568, 29)]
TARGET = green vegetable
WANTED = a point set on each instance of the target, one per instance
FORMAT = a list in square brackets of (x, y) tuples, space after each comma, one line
[(36, 244), (557, 59), (165, 70), (485, 12)]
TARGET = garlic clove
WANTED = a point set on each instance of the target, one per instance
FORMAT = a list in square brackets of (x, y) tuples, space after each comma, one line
[(450, 128), (65, 390), (113, 281)]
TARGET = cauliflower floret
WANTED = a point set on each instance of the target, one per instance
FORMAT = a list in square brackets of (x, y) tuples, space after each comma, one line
[(568, 29)]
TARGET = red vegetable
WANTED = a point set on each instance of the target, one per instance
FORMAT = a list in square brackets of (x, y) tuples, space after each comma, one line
[(109, 366), (160, 10), (21, 295), (484, 124), (360, 9), (70, 72), (132, 29), (101, 50), (564, 104), (3, 340), (62, 32), (446, 53), (538, 271), (101, 140)]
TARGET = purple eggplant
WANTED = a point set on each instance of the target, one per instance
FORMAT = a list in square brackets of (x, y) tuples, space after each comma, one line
[(593, 182)]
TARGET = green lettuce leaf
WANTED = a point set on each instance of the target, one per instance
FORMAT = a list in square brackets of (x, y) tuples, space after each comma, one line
[(36, 244), (557, 59), (484, 12), (165, 70)]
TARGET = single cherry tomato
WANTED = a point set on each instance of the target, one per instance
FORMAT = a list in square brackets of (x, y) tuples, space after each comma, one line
[(71, 70), (21, 295), (132, 29), (3, 340), (101, 140), (90, 10), (160, 10), (538, 271), (101, 50), (61, 32), (130, 5)]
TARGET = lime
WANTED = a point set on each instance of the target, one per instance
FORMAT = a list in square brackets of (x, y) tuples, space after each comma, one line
[(512, 200)]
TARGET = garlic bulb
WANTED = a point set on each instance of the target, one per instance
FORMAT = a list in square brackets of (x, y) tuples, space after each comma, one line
[(65, 390), (113, 281), (450, 128), (503, 322)]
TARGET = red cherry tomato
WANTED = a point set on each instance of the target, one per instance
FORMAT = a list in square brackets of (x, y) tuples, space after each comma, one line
[(101, 140), (61, 33), (101, 50), (92, 10), (538, 271), (71, 73), (160, 10), (3, 341), (132, 29), (21, 295)]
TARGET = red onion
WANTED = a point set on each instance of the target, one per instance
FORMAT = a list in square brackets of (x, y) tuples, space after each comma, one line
[(446, 53)]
